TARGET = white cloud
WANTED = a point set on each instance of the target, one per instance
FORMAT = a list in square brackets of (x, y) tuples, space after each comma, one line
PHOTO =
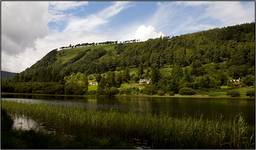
[(230, 13), (82, 29), (190, 16), (19, 62), (66, 5), (193, 3), (93, 21), (57, 9), (86, 24), (113, 10), (146, 32), (22, 23), (163, 15)]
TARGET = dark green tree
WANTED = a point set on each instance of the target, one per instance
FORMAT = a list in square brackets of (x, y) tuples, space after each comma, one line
[(249, 80), (118, 80), (126, 75), (76, 83), (140, 71), (101, 86), (175, 79), (155, 75), (98, 77), (110, 79)]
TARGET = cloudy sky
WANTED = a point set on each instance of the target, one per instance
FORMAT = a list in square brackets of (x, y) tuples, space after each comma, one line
[(32, 29)]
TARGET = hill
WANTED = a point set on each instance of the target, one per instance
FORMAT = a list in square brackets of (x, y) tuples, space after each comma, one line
[(202, 60), (6, 74), (234, 45)]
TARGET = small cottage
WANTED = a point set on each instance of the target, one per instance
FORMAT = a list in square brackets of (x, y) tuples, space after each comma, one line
[(235, 82), (93, 83), (144, 81)]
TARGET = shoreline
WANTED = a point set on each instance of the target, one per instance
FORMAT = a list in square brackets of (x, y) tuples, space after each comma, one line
[(187, 96), (158, 96)]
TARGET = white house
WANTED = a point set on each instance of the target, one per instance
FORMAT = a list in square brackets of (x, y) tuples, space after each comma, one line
[(235, 82), (93, 83), (144, 81)]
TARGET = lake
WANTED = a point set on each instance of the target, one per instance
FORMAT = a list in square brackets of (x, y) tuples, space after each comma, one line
[(207, 108)]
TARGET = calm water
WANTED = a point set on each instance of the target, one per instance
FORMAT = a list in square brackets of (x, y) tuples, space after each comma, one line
[(210, 108)]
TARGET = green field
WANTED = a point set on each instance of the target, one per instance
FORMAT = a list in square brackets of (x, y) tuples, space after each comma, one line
[(67, 54), (92, 87), (222, 92)]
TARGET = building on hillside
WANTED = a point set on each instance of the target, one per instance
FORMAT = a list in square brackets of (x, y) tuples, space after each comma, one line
[(144, 81), (235, 82), (93, 83)]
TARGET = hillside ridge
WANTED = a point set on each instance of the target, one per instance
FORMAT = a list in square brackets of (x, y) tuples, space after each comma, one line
[(212, 46)]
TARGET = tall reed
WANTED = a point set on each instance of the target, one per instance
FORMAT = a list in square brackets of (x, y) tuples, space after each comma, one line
[(160, 131)]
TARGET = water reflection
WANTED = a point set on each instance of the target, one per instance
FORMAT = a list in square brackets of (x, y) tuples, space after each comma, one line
[(21, 122), (210, 108)]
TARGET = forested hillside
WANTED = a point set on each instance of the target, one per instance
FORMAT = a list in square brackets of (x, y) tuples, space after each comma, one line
[(207, 59)]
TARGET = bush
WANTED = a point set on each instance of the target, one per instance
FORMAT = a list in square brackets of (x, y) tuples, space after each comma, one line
[(250, 93), (233, 93), (149, 90), (93, 92), (90, 77), (109, 91), (160, 92), (125, 91), (129, 91), (114, 91), (170, 93), (6, 120), (248, 80), (101, 92), (134, 91), (34, 87), (135, 78), (187, 91), (205, 82)]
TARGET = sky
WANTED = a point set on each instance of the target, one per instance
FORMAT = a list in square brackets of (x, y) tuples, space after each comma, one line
[(32, 29)]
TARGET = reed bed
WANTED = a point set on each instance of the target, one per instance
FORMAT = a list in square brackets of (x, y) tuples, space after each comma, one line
[(160, 131)]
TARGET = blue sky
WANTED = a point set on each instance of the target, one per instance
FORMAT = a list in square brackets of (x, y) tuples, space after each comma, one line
[(36, 28), (172, 15)]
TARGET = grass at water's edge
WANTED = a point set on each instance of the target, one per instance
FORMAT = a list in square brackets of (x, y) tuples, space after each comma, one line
[(157, 131), (3, 94)]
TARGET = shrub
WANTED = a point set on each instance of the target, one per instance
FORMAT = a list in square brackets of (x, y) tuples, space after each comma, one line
[(205, 82), (134, 90), (101, 92), (187, 91), (233, 93), (170, 93), (114, 91), (248, 80), (135, 78), (149, 90), (6, 120), (160, 92), (90, 77), (93, 92), (111, 91), (250, 93), (125, 91)]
